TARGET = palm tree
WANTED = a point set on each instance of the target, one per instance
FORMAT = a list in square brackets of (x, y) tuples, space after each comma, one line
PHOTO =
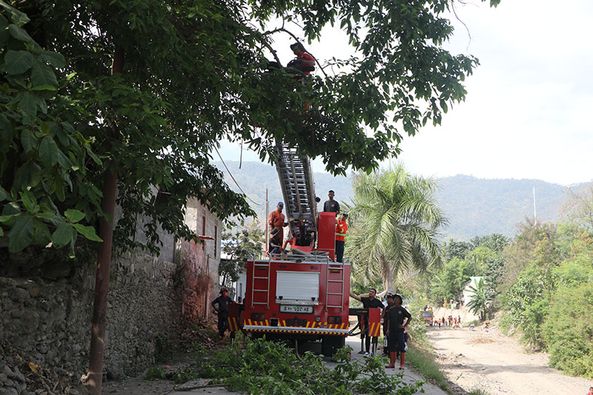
[(480, 300), (394, 225)]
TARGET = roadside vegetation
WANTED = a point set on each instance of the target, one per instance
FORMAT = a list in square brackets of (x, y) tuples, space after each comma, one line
[(422, 358), (551, 300), (539, 281), (263, 367)]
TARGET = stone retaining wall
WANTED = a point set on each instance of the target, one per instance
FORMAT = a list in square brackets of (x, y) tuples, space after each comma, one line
[(48, 322)]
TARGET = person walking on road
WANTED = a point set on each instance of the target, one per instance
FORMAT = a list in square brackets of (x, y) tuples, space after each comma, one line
[(397, 319), (221, 308)]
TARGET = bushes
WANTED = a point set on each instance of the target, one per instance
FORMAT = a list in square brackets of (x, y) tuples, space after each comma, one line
[(550, 301), (568, 331), (526, 305), (264, 367)]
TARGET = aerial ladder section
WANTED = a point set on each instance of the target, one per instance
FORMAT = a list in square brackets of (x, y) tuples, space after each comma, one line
[(298, 189)]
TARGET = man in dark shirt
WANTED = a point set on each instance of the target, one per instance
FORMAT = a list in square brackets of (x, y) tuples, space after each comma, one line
[(397, 319), (331, 205), (369, 301), (221, 307)]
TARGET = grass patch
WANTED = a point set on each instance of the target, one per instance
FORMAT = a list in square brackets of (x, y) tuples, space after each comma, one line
[(155, 373), (423, 360)]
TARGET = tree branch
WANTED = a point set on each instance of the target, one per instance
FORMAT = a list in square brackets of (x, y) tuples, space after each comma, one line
[(272, 50)]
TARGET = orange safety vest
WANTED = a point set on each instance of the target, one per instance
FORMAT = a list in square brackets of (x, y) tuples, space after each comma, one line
[(341, 228)]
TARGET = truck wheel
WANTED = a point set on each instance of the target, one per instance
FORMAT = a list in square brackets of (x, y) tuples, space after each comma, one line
[(331, 344)]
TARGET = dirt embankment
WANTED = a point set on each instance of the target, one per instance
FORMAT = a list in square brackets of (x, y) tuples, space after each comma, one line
[(497, 364)]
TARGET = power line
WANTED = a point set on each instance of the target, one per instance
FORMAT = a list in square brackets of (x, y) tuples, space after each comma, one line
[(233, 178)]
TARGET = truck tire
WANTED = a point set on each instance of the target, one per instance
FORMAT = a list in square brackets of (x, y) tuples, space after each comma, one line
[(331, 344)]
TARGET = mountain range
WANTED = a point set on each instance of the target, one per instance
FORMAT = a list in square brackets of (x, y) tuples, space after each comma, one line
[(473, 206)]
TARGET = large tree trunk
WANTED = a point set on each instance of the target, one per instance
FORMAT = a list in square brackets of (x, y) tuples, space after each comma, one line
[(94, 379)]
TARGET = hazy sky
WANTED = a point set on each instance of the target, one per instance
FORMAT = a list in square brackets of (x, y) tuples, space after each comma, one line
[(528, 112)]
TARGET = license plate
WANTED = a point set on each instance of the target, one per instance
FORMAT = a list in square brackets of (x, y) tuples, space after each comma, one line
[(296, 309)]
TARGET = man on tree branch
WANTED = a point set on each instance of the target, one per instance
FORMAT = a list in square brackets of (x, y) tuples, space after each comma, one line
[(304, 61)]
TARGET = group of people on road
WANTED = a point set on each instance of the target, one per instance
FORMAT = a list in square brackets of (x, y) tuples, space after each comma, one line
[(396, 319), (277, 222), (450, 321)]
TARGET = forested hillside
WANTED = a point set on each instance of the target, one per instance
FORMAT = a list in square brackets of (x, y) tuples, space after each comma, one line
[(473, 206)]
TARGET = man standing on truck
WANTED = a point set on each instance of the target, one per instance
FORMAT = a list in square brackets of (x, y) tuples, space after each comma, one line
[(276, 220), (221, 308), (331, 205), (397, 319), (369, 301), (341, 230)]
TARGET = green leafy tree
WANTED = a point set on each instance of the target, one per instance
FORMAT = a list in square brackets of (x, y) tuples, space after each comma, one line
[(42, 157), (238, 247), (480, 300), (449, 281), (522, 251), (526, 301), (154, 127), (394, 224), (495, 241), (578, 208), (548, 300), (487, 262), (568, 334), (455, 249)]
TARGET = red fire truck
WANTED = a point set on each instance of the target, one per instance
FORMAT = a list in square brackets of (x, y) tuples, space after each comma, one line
[(304, 294), (299, 296)]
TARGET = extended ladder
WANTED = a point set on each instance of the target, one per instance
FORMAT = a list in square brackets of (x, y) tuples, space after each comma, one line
[(296, 180)]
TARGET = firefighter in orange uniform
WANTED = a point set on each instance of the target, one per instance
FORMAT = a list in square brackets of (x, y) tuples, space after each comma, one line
[(341, 230), (276, 220)]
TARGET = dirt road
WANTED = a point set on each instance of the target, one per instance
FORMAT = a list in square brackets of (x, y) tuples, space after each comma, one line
[(497, 364)]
